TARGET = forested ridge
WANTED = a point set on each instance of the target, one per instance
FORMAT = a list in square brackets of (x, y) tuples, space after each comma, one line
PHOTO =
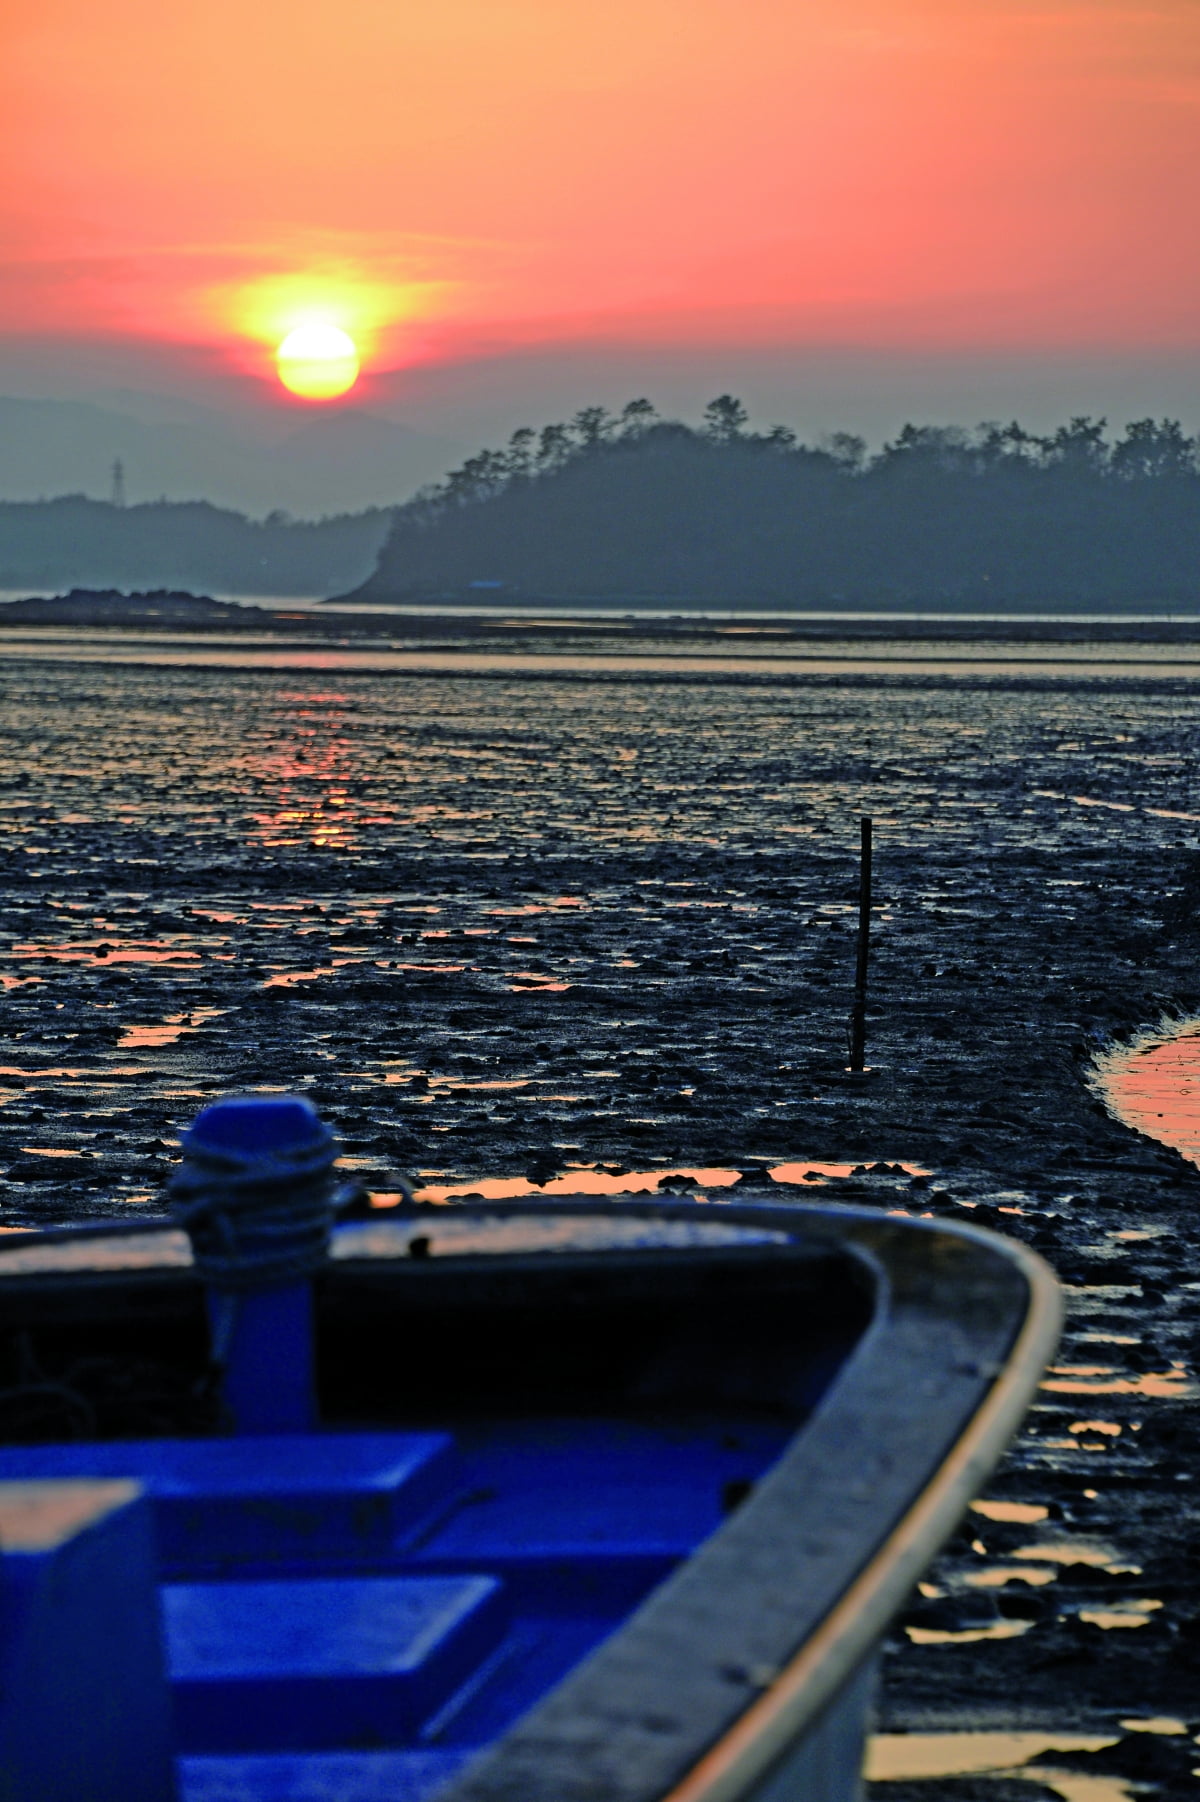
[(630, 507), (182, 544)]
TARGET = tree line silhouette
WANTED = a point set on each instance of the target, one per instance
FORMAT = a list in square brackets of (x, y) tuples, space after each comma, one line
[(632, 507), (182, 544)]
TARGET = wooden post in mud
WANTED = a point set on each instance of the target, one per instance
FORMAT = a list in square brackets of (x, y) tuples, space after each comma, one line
[(858, 1017)]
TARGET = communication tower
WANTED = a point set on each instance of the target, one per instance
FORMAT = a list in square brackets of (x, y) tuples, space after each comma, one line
[(118, 483)]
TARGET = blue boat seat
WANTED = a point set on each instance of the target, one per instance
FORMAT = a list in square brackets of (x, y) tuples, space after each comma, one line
[(272, 1503), (349, 1615), (323, 1663), (409, 1776)]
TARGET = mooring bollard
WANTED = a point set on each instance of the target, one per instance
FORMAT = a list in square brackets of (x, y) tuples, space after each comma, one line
[(256, 1196)]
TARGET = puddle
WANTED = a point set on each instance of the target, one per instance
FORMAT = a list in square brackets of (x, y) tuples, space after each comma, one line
[(1041, 1758), (593, 1180), (996, 1576), (106, 953), (286, 979), (1155, 813), (900, 1757), (1153, 1085), (965, 1636), (68, 1073), (455, 1083), (1102, 1379), (1021, 1513), (1068, 1551), (140, 1037), (1135, 1613), (807, 1173), (1155, 1723), (167, 1031), (1074, 1788)]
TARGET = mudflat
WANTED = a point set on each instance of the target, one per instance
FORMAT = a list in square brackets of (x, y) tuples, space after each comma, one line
[(527, 924)]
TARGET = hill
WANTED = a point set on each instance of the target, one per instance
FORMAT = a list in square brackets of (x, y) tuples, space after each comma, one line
[(182, 545), (636, 510)]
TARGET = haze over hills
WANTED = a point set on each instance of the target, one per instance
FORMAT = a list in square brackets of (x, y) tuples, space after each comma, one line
[(333, 462)]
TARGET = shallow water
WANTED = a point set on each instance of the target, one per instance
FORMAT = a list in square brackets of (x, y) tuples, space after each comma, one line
[(1153, 1086)]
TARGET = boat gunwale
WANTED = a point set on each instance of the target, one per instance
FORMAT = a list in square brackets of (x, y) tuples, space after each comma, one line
[(744, 1757), (774, 1719)]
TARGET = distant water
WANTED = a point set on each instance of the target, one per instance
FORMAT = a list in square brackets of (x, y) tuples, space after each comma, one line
[(740, 618), (644, 654), (613, 611)]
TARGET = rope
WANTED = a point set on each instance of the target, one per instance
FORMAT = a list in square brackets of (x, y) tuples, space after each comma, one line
[(256, 1219)]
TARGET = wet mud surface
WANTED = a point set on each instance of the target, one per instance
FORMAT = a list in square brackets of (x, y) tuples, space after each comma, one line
[(503, 927)]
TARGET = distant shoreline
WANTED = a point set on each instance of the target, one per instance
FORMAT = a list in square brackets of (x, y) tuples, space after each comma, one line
[(170, 611)]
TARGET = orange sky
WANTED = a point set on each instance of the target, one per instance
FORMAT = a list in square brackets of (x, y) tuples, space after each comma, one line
[(466, 177)]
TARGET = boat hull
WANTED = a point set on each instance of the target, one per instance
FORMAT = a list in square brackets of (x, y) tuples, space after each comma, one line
[(882, 1361)]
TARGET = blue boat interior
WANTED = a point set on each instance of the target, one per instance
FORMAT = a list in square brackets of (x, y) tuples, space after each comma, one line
[(513, 1452)]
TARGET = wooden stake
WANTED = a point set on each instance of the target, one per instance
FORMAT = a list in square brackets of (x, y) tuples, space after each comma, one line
[(858, 1018)]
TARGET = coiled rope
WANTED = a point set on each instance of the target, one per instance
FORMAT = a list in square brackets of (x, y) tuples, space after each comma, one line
[(257, 1218)]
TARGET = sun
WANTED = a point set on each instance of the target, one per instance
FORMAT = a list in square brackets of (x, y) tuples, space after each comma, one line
[(318, 361)]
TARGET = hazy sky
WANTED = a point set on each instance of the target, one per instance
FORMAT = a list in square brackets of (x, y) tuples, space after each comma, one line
[(516, 204)]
